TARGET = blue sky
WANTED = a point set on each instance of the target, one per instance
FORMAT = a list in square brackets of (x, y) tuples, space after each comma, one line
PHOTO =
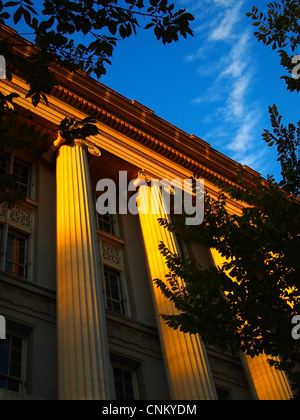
[(217, 85)]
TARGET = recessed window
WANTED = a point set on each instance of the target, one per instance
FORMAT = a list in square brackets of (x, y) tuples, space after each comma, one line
[(21, 176), (106, 223), (123, 381), (11, 362), (16, 254), (113, 291), (14, 246), (19, 170)]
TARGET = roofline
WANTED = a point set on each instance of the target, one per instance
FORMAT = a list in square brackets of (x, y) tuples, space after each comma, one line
[(135, 119)]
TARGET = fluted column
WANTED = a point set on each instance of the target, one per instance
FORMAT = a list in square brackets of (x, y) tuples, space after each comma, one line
[(267, 382), (185, 355), (83, 356)]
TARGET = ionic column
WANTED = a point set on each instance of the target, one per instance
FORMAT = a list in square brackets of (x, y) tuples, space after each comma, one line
[(186, 360), (267, 382), (83, 356)]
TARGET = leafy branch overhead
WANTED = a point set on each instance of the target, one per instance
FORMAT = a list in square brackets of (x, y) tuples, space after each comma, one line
[(280, 28), (101, 24), (70, 129)]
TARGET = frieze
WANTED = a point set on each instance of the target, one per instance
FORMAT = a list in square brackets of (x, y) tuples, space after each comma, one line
[(27, 299), (130, 334)]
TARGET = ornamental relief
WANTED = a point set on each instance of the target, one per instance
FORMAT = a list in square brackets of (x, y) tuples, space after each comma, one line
[(110, 254), (17, 216), (28, 300)]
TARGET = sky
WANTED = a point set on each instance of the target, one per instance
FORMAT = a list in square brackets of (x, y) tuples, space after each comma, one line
[(216, 85)]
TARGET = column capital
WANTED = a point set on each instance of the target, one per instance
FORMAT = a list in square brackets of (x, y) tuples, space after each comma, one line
[(144, 177), (60, 141)]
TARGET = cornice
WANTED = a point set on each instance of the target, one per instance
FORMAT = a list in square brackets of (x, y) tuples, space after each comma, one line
[(206, 166), (136, 121)]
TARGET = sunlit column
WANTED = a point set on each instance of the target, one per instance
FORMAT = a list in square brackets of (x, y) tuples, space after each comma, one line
[(267, 382), (185, 355), (83, 357)]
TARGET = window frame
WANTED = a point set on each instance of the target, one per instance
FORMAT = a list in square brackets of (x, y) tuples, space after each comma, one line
[(10, 160), (5, 231), (16, 266), (121, 300), (25, 187), (106, 220), (21, 380), (134, 382), (113, 221)]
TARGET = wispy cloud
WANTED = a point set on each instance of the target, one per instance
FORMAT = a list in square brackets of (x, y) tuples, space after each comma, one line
[(223, 29), (224, 57)]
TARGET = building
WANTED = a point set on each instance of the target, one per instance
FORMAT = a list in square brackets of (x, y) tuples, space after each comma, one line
[(76, 287)]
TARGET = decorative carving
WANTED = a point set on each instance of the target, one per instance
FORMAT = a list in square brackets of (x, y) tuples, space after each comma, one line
[(17, 215), (111, 254), (3, 210), (92, 148), (127, 333), (144, 176), (20, 217), (45, 306)]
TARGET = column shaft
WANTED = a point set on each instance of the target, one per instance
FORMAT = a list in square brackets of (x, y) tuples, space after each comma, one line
[(83, 356), (185, 355), (269, 384)]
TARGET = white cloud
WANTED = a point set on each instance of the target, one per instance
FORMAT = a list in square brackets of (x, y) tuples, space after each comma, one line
[(238, 59), (243, 140), (236, 102), (228, 68), (224, 29)]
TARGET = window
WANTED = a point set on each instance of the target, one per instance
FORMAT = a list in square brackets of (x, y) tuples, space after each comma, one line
[(123, 381), (16, 254), (106, 223), (11, 350), (21, 176), (14, 247), (113, 291), (19, 170)]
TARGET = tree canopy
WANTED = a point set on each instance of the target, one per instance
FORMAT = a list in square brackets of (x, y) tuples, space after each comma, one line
[(82, 35)]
